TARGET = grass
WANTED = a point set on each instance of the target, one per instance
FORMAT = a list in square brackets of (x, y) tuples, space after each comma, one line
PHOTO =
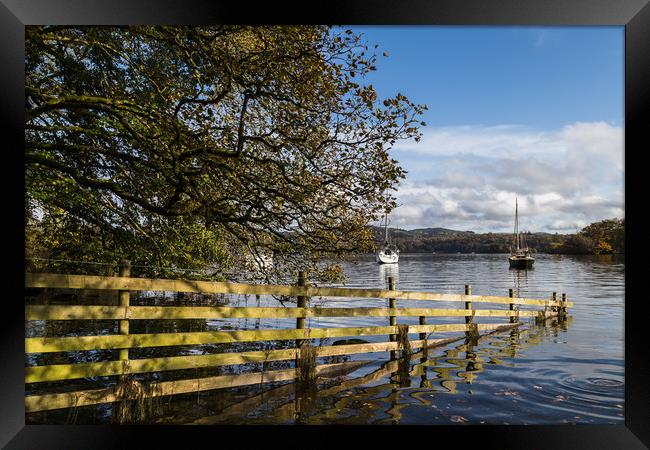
[(472, 335), (402, 376), (142, 401), (403, 343)]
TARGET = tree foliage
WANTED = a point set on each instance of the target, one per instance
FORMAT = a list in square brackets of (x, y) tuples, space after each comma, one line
[(607, 236), (194, 146), (453, 241)]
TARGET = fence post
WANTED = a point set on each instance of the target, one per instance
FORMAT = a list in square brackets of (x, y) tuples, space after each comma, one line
[(468, 304), (472, 330), (563, 308), (302, 301), (392, 320), (423, 321), (554, 309), (511, 294), (124, 297)]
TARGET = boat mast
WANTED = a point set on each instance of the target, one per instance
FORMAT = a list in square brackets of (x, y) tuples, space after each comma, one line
[(516, 226), (518, 235), (385, 229)]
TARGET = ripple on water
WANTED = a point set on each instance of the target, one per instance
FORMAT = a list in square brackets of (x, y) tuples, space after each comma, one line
[(599, 388), (585, 399)]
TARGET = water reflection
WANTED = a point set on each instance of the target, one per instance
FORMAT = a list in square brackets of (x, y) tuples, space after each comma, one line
[(386, 271), (448, 384), (520, 281), (382, 395)]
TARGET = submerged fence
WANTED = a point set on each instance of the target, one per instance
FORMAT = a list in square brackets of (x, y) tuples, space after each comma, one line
[(124, 341)]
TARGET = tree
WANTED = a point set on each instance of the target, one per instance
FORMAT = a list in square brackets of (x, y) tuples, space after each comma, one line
[(189, 146), (578, 244), (602, 247), (609, 235)]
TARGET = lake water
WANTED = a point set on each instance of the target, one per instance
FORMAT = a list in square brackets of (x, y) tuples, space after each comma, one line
[(571, 373), (563, 372)]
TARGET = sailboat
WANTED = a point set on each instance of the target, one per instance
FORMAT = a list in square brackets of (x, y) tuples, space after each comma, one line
[(519, 252), (388, 254)]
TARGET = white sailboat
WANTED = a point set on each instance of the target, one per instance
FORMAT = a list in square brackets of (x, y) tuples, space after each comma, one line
[(388, 254)]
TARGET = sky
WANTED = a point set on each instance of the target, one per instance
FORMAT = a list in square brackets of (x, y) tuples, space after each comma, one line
[(535, 113)]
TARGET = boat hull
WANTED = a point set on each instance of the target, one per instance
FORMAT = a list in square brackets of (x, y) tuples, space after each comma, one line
[(521, 263), (383, 258)]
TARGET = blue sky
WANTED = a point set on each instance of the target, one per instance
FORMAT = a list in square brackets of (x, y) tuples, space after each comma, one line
[(535, 113)]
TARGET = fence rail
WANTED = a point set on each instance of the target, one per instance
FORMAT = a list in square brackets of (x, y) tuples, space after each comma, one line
[(56, 312), (124, 312), (48, 280)]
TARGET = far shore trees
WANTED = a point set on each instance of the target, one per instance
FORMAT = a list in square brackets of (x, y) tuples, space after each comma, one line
[(211, 146), (603, 237)]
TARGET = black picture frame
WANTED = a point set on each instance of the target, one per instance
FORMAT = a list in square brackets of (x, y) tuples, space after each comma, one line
[(633, 14)]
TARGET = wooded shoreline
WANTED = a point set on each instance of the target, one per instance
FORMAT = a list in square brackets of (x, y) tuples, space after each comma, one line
[(604, 237)]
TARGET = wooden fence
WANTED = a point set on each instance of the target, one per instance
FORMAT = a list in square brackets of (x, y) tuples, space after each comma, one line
[(124, 341)]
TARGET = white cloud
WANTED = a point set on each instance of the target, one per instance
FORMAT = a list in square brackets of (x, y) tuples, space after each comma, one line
[(467, 177), (489, 141)]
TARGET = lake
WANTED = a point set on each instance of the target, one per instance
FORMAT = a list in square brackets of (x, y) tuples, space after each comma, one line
[(556, 374), (564, 372)]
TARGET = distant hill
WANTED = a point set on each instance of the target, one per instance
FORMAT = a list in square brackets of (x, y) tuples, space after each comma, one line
[(443, 240), (426, 240), (437, 231), (419, 231), (600, 237)]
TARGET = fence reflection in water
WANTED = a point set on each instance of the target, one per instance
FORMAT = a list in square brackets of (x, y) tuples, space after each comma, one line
[(379, 396)]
